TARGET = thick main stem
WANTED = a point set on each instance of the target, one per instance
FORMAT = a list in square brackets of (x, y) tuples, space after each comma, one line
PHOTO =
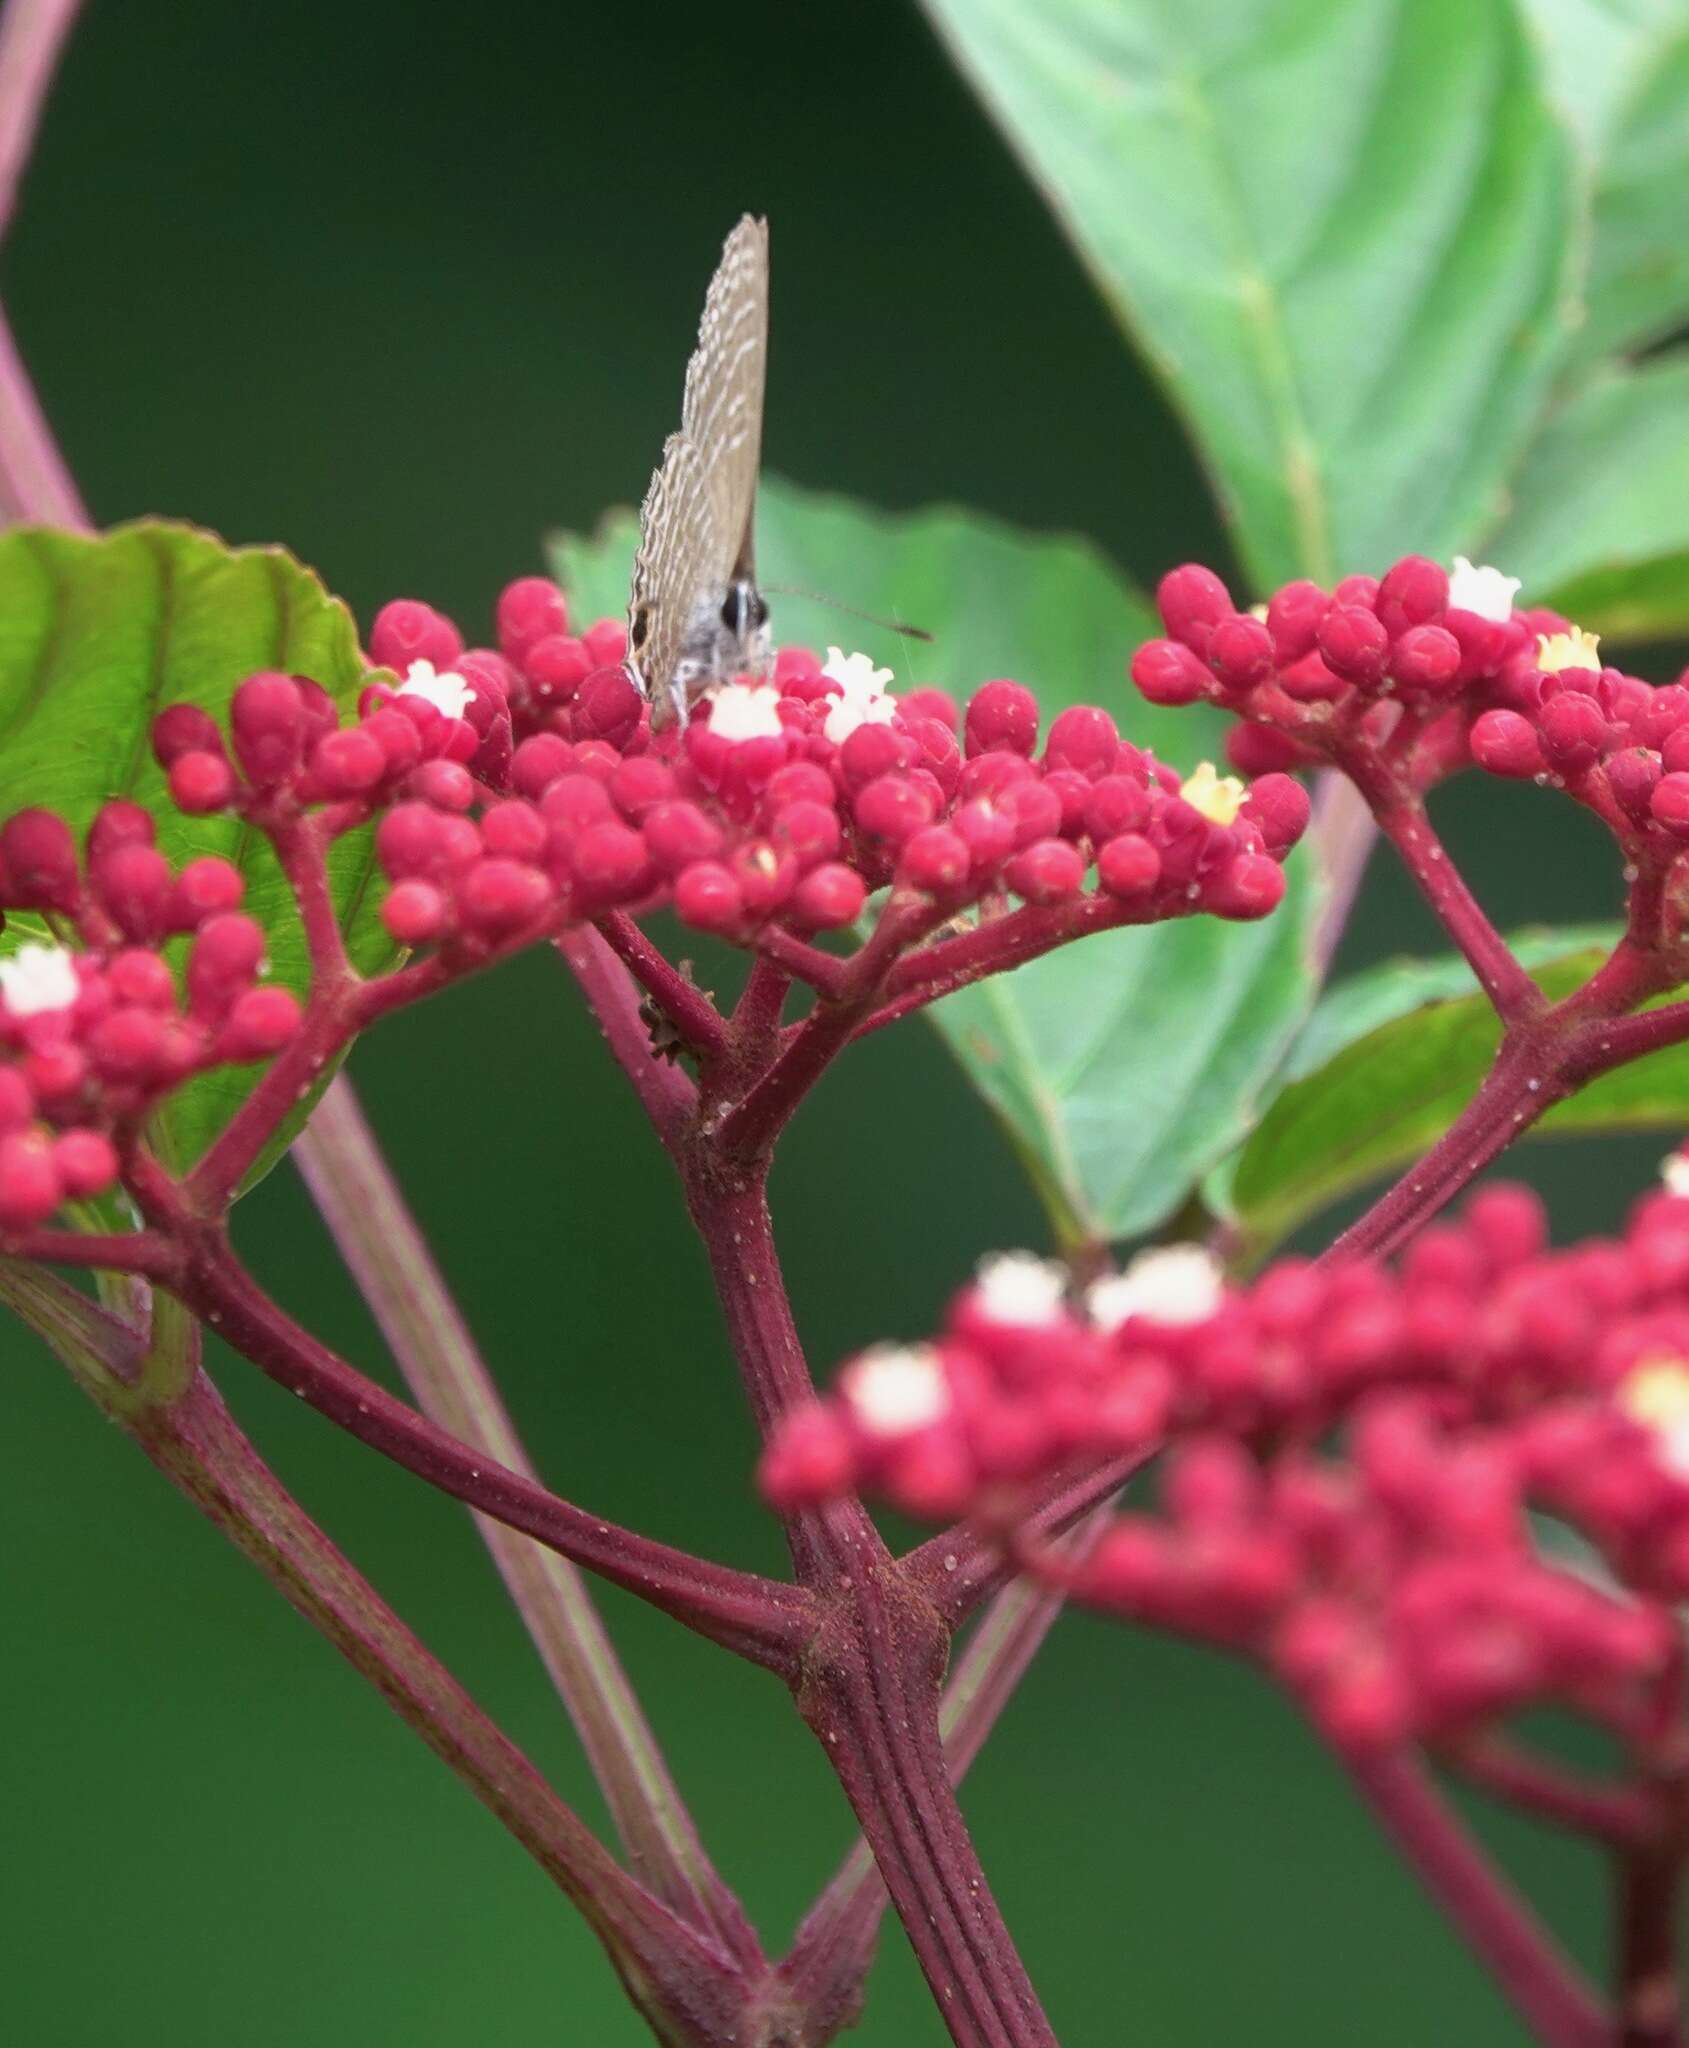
[(1649, 1881), (869, 1683)]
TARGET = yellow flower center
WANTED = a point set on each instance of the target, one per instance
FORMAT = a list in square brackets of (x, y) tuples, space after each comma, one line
[(1575, 649), (1218, 797), (1655, 1393)]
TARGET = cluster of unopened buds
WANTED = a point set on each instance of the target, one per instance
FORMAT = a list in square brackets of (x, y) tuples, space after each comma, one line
[(518, 789), (1349, 1458), (92, 1034), (526, 780), (1416, 674)]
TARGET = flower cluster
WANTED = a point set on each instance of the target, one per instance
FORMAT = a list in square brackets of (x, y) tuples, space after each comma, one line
[(92, 1035), (1403, 680), (524, 781), (1352, 1454)]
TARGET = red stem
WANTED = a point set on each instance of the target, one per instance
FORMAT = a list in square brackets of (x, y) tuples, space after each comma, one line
[(1618, 1815), (757, 1618), (666, 1094), (869, 1683), (1648, 1883), (1403, 821), (1491, 1918), (968, 1562), (697, 1020), (689, 1990), (386, 1254)]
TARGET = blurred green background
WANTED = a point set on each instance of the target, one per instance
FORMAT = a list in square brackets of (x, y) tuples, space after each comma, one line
[(403, 286)]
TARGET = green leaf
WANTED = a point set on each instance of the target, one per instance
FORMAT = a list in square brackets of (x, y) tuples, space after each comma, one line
[(1389, 1060), (99, 632), (1619, 70), (1600, 521), (1340, 230), (1125, 1065)]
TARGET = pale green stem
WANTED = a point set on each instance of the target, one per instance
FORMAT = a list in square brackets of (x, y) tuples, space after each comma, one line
[(384, 1250)]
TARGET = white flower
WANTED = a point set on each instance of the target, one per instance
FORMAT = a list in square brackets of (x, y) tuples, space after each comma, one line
[(895, 1388), (37, 979), (445, 689), (1175, 1283), (1487, 592), (1218, 797), (1674, 1173), (1576, 649), (746, 711), (862, 698), (1017, 1288), (1655, 1393)]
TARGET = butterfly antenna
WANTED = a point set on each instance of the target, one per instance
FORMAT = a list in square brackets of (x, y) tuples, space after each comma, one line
[(896, 626)]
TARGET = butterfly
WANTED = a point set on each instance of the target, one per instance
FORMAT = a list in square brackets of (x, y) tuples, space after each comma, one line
[(695, 614)]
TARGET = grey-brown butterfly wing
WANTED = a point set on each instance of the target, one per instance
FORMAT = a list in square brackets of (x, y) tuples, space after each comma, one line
[(694, 612), (725, 383), (676, 533)]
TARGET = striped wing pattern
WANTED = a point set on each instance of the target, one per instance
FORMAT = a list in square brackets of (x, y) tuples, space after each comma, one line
[(696, 521)]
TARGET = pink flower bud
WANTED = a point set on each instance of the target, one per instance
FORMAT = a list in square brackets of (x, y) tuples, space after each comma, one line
[(1426, 658), (639, 784), (514, 830), (808, 831), (610, 862), (538, 762), (30, 1184), (86, 1162), (607, 642), (38, 857), (261, 1022), (1669, 804), (1192, 602), (1354, 644), (608, 705), (226, 957), (348, 762), (679, 833), (132, 881), (1632, 777), (936, 861), (1280, 807), (529, 610), (446, 785), (201, 783), (1293, 619), (1249, 887), (1414, 592), (1571, 731), (555, 669), (1083, 738), (1001, 716), (1241, 652), (407, 630), (203, 888), (1048, 871), (1128, 867), (707, 896), (184, 729), (828, 897), (1167, 672), (497, 897), (415, 913), (267, 724), (1506, 744)]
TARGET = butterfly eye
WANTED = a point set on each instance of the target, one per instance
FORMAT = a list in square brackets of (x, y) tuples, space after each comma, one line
[(640, 631)]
